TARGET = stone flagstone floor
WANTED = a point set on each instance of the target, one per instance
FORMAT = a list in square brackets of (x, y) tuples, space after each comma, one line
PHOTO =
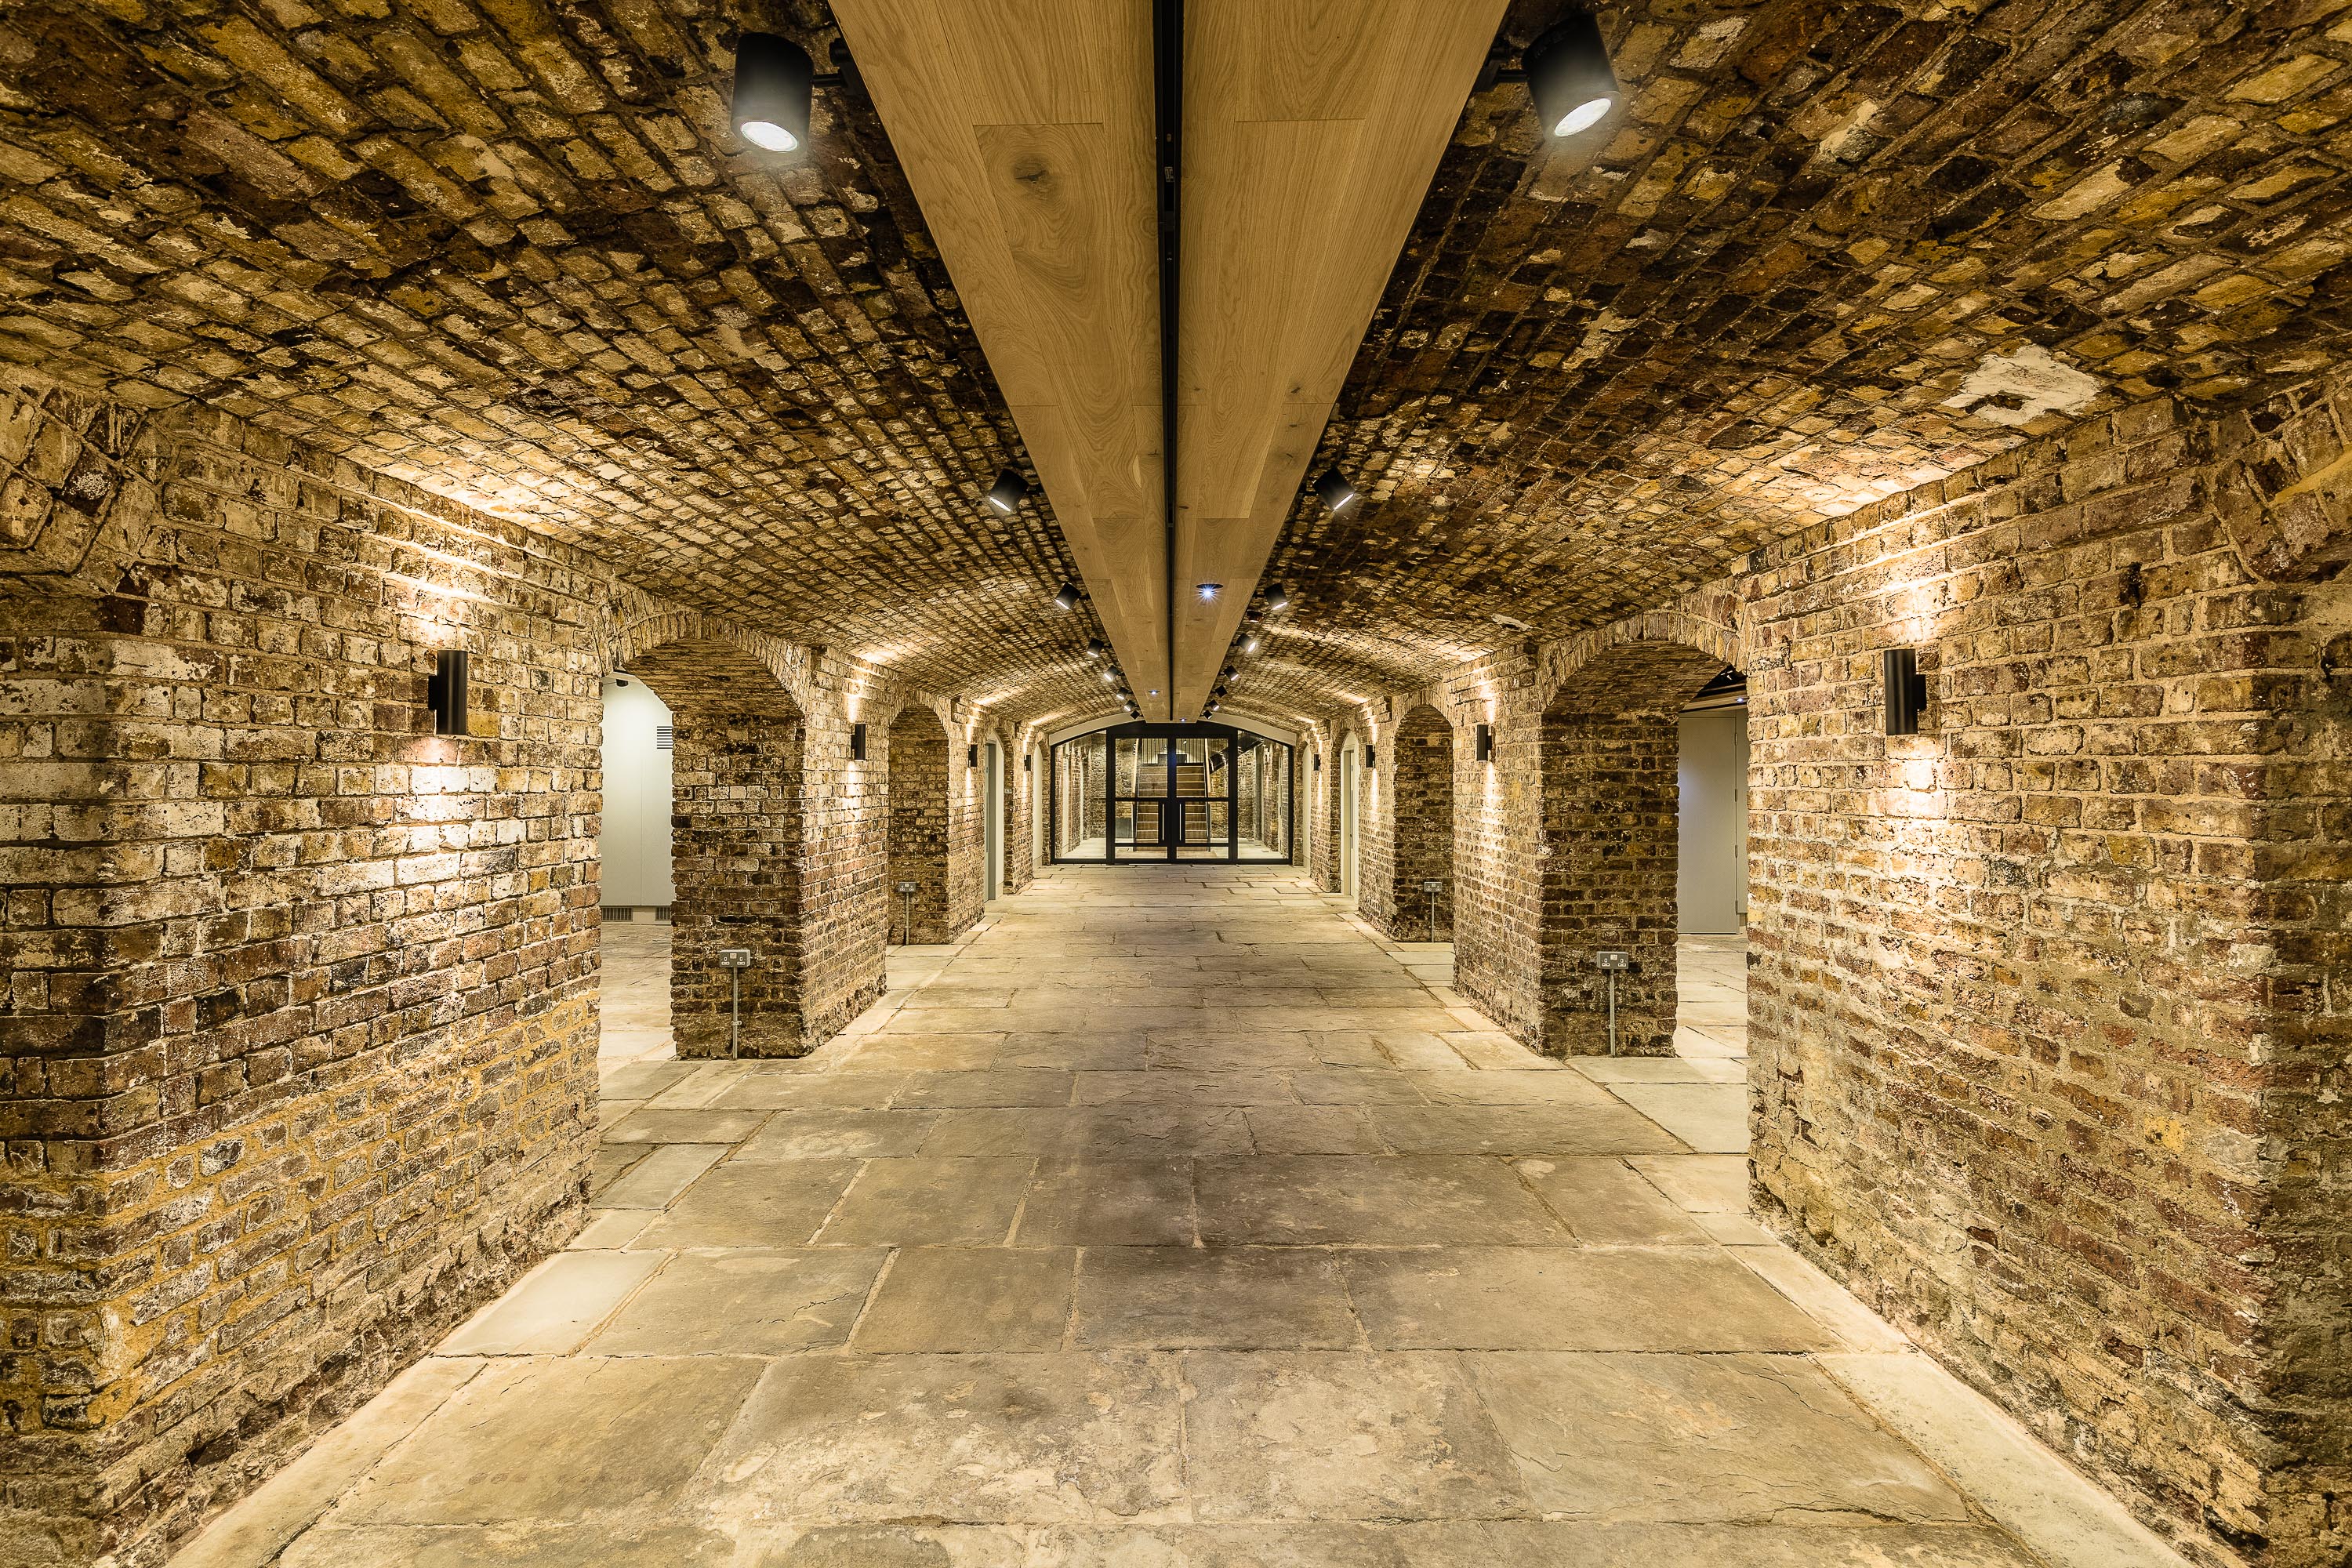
[(1173, 1220)]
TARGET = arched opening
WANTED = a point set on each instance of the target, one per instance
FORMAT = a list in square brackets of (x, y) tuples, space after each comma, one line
[(1420, 906), (736, 779), (1611, 852), (919, 828)]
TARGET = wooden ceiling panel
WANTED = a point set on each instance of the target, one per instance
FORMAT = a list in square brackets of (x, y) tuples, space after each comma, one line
[(1024, 127), (1311, 129)]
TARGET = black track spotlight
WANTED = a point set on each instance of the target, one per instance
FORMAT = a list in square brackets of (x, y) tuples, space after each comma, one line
[(1250, 643), (1220, 691), (1067, 597), (1335, 490), (1568, 75), (773, 77), (1095, 648), (1213, 705), (1008, 491), (1277, 601), (1226, 673)]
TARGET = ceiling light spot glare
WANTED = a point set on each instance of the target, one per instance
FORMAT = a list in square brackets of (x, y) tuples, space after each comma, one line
[(1568, 75), (1335, 490), (774, 79), (1210, 590), (1008, 491)]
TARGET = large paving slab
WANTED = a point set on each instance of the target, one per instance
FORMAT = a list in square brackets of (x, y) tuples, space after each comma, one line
[(1171, 1221)]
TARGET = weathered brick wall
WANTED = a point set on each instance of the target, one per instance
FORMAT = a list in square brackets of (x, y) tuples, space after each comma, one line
[(300, 1029), (1417, 831), (919, 826), (1610, 748), (300, 1022), (2045, 1006), (1023, 785), (735, 849)]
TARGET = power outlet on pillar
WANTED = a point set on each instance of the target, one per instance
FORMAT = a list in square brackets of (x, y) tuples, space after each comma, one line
[(1613, 961), (734, 960)]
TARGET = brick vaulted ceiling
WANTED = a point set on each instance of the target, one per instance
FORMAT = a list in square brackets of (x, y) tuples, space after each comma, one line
[(513, 252), (1605, 368), (510, 249)]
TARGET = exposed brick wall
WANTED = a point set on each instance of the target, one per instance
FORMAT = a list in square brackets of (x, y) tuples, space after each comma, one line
[(735, 855), (920, 828), (2048, 1037), (301, 996), (1611, 751), (1417, 830), (300, 1017)]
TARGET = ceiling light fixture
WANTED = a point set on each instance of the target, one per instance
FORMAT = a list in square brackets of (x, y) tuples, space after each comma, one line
[(1568, 75), (1277, 601), (1249, 643), (1008, 491), (1209, 590), (1335, 490), (1095, 649), (1067, 597), (773, 81)]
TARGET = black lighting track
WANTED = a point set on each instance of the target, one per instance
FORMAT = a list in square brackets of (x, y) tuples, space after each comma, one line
[(1168, 71)]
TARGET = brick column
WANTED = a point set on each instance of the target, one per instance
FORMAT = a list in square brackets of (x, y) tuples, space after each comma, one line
[(1610, 752), (736, 782), (918, 825), (1419, 830)]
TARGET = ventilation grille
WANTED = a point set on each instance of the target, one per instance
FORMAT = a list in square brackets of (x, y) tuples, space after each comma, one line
[(665, 737)]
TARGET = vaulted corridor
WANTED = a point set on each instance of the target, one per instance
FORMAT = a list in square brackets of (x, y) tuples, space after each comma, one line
[(1171, 1217)]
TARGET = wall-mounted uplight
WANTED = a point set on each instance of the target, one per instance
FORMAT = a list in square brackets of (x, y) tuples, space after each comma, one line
[(774, 83), (1028, 765), (1907, 690), (1371, 758), (1335, 492), (971, 756), (1485, 742), (857, 743), (444, 690), (1568, 75), (1067, 595)]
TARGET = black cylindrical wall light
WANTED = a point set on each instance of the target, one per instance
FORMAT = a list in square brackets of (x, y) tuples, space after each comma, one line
[(444, 690), (1007, 491), (774, 79), (1907, 690), (1485, 735), (1568, 75), (857, 743)]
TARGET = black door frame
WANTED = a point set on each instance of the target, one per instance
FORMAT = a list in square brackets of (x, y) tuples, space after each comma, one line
[(1237, 741)]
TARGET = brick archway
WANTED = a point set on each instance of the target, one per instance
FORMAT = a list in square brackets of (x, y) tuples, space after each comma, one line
[(919, 826), (737, 778), (1420, 824), (1610, 750)]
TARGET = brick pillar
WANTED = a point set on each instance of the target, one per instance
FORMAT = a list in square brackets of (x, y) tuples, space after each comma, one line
[(918, 825), (736, 842), (1610, 752), (1421, 829)]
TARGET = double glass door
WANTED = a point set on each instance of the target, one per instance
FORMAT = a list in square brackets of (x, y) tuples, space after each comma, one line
[(1171, 797)]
